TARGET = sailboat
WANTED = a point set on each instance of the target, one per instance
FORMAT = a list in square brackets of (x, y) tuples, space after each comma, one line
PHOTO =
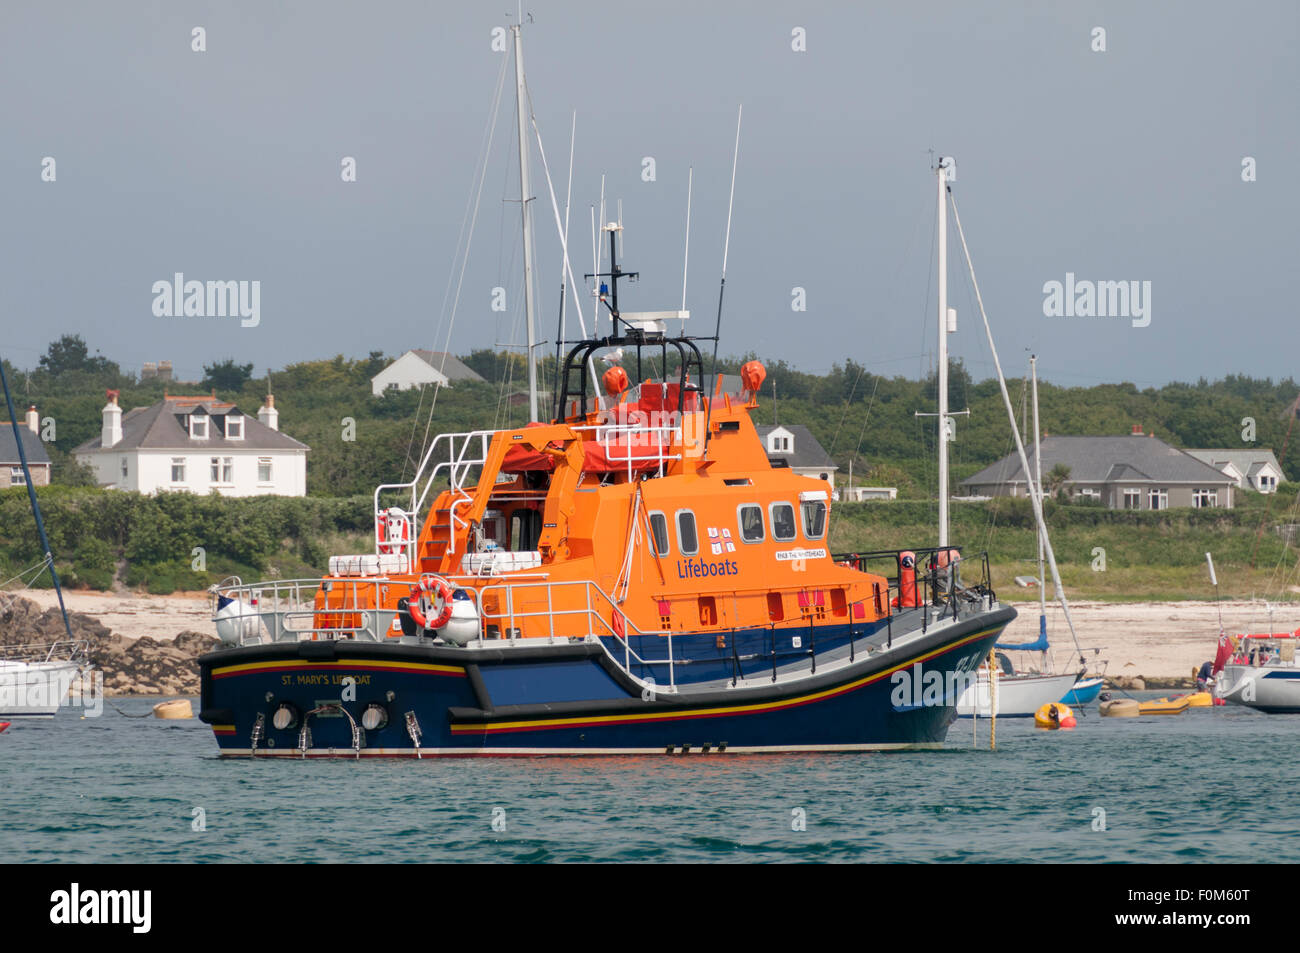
[(629, 576), (34, 679), (998, 689)]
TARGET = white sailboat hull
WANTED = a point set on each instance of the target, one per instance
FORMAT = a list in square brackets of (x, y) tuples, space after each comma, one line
[(34, 689), (1018, 696), (1268, 688)]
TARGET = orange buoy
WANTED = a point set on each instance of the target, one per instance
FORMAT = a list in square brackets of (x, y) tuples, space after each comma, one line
[(615, 380), (752, 375)]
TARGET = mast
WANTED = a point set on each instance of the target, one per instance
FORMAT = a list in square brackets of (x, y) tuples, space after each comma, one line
[(1038, 489), (945, 424), (36, 507), (524, 198)]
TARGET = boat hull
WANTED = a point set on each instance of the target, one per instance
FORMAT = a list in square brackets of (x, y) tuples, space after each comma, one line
[(1018, 696), (570, 699), (1272, 689), (1084, 692), (34, 689)]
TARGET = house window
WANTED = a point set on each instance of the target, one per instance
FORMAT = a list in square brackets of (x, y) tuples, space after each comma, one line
[(227, 469), (16, 477), (198, 427), (1088, 493), (688, 539), (782, 515), (1132, 499), (659, 533), (1204, 498), (814, 518), (234, 427), (750, 518), (125, 468), (178, 469), (1158, 499), (263, 469), (216, 469)]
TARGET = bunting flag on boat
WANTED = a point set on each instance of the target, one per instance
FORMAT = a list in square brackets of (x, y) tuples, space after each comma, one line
[(720, 540), (1223, 654)]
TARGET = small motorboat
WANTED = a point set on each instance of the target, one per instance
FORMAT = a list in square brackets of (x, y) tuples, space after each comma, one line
[(1085, 690), (1165, 706)]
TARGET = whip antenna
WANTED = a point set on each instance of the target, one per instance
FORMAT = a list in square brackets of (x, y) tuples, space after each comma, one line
[(722, 287)]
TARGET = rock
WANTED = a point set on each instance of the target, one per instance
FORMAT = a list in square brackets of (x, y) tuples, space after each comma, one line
[(142, 666)]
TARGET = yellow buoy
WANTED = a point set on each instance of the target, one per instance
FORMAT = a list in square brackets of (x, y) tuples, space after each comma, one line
[(1054, 715), (176, 708)]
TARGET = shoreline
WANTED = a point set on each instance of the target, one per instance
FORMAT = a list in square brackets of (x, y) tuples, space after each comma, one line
[(1154, 640)]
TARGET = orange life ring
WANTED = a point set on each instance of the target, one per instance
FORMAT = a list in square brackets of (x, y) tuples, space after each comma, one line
[(430, 584)]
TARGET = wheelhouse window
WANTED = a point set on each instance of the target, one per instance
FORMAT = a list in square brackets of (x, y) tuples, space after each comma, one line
[(688, 539), (783, 528), (263, 469), (198, 427), (750, 517), (178, 469), (659, 533), (1204, 498), (814, 518)]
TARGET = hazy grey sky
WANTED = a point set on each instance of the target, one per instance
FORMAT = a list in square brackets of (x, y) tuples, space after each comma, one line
[(225, 165)]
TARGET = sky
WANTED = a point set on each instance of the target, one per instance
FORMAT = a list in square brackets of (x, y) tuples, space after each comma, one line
[(226, 164)]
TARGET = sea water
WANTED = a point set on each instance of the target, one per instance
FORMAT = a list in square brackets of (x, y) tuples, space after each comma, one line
[(1209, 786)]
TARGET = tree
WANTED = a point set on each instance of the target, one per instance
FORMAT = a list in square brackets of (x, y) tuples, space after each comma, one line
[(70, 353), (1056, 478), (226, 375)]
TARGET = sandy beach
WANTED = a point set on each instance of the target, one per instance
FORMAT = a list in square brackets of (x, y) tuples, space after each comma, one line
[(1150, 639)]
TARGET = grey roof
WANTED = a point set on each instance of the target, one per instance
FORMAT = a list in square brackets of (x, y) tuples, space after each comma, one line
[(32, 446), (807, 451), (1133, 458), (449, 365), (158, 427), (1247, 462)]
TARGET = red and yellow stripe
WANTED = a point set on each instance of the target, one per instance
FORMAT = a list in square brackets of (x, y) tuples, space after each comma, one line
[(355, 665)]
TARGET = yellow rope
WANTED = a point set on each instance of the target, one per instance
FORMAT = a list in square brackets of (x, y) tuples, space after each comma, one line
[(993, 701)]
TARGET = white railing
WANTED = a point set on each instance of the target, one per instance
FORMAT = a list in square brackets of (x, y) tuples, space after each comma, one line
[(61, 651), (286, 611), (456, 454), (586, 610)]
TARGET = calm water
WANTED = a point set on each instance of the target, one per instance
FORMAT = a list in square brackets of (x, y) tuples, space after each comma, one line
[(1213, 785)]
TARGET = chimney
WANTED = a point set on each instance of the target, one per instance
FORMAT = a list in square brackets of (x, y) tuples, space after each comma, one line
[(268, 415), (1137, 430), (112, 433), (33, 420)]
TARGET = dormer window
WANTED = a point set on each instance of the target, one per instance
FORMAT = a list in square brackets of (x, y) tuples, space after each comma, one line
[(198, 427), (234, 427)]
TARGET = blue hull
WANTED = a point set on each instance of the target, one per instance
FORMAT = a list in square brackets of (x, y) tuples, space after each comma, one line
[(1084, 692), (566, 699)]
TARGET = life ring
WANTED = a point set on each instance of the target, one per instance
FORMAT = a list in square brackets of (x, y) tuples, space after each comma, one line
[(439, 587)]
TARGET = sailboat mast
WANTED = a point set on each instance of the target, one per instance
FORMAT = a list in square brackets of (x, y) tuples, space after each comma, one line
[(1038, 488), (941, 173), (524, 198)]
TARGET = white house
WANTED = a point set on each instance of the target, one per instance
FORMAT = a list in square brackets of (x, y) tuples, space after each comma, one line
[(198, 444), (1250, 469), (794, 446), (417, 368)]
